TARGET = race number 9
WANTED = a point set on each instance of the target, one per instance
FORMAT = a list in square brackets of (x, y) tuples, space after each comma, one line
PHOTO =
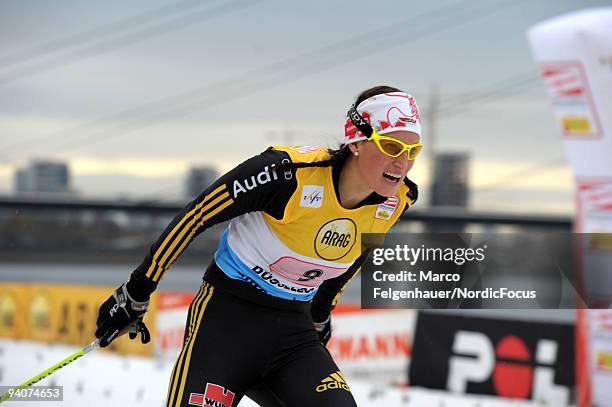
[(311, 275)]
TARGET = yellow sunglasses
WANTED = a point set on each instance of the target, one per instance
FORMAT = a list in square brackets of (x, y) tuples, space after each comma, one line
[(393, 147)]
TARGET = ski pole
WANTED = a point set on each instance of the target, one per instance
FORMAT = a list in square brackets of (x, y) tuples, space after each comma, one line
[(83, 351)]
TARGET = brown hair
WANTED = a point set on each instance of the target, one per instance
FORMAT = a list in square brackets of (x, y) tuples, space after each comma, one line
[(340, 153)]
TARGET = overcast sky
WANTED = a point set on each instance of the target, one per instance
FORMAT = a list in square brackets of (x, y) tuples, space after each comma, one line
[(131, 94)]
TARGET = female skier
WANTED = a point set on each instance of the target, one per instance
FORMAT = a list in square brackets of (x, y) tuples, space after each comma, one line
[(261, 319)]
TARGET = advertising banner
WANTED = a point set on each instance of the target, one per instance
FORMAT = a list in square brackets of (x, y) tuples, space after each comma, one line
[(376, 344), (574, 54), (373, 344), (172, 310), (60, 313), (514, 359)]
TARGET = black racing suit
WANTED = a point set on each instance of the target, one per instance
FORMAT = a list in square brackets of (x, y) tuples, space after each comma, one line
[(239, 339)]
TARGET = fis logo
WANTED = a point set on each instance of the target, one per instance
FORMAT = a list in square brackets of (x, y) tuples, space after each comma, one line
[(332, 382), (312, 196), (214, 396)]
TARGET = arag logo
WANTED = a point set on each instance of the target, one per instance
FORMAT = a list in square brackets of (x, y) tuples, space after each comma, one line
[(335, 239)]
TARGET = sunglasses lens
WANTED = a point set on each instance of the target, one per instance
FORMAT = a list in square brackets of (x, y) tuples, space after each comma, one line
[(393, 148), (414, 152)]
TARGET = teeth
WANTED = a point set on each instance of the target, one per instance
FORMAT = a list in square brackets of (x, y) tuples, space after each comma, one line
[(393, 175)]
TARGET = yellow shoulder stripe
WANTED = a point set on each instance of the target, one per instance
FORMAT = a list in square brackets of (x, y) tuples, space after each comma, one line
[(203, 211)]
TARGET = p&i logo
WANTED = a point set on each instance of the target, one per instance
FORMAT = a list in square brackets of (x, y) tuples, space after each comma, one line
[(514, 370)]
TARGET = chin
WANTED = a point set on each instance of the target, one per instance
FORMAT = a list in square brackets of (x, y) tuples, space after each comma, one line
[(387, 190)]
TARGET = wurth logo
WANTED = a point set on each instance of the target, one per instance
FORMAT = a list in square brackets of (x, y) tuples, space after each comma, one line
[(214, 396)]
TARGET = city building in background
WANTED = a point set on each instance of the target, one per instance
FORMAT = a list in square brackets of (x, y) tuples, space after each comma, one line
[(450, 180), (43, 177), (200, 178)]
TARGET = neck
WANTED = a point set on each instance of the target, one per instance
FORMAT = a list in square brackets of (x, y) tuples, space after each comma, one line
[(351, 189)]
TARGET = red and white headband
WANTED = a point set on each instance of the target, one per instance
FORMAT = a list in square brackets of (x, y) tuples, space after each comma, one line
[(386, 112)]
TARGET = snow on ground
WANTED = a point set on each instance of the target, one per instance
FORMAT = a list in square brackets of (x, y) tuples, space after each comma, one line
[(100, 379)]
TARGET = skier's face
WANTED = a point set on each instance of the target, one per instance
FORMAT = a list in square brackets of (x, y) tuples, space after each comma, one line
[(381, 173)]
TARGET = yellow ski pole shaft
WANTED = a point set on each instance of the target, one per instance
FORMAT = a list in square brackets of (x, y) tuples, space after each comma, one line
[(83, 351)]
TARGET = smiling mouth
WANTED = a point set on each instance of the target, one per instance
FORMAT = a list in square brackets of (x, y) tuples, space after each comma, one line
[(392, 177)]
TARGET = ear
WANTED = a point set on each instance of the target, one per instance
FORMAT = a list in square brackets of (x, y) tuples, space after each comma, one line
[(354, 147)]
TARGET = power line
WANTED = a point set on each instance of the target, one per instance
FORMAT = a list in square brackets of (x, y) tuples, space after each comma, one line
[(356, 47), (141, 34), (214, 89), (112, 28), (507, 87), (512, 177), (500, 90)]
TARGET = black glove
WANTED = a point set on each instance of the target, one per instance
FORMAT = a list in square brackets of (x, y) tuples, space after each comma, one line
[(120, 311), (324, 330)]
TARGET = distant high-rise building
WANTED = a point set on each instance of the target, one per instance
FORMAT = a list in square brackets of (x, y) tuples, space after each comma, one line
[(43, 177), (450, 180), (200, 178)]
